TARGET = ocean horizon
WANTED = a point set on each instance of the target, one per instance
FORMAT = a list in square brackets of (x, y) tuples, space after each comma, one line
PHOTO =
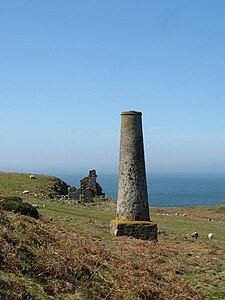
[(167, 189)]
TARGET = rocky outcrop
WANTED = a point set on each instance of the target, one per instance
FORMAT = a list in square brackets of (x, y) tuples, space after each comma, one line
[(59, 188)]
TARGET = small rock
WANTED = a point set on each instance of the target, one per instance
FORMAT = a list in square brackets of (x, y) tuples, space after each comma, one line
[(161, 232)]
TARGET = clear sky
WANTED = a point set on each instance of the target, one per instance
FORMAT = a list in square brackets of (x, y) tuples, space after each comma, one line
[(68, 68)]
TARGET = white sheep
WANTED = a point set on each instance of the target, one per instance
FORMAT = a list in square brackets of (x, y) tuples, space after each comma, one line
[(32, 177), (210, 236), (35, 205), (26, 192), (194, 234)]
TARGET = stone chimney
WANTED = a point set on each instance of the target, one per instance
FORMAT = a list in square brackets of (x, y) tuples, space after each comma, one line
[(132, 215)]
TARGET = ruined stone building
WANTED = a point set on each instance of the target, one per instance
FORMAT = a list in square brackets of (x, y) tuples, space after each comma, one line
[(89, 189)]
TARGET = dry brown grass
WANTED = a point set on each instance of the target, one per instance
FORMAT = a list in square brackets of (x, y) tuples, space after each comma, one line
[(74, 257), (64, 260)]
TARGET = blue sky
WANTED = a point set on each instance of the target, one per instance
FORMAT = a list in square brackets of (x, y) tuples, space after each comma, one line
[(69, 68)]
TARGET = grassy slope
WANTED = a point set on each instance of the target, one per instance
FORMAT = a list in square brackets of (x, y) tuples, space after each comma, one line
[(69, 254), (15, 183)]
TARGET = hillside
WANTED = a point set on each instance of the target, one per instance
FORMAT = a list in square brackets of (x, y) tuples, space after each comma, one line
[(69, 254), (40, 186)]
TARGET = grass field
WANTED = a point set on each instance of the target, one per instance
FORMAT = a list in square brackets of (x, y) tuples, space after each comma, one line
[(69, 254)]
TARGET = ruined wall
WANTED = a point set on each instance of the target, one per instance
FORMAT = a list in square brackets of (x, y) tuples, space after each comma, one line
[(89, 189)]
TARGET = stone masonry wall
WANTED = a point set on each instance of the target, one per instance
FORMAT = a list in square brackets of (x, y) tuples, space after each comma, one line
[(89, 189)]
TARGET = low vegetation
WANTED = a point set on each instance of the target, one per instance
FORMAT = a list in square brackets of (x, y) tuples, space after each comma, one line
[(68, 253), (16, 205)]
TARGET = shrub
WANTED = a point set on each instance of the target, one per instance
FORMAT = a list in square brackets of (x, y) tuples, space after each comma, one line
[(8, 204), (13, 198), (17, 205), (25, 208)]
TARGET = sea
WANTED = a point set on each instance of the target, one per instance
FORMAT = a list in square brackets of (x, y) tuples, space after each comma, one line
[(167, 189)]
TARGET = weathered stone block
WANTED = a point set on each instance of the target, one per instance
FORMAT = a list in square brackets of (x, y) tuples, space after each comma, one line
[(145, 230)]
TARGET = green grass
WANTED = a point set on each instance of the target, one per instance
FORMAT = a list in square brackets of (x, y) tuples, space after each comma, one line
[(14, 184), (182, 226), (177, 267)]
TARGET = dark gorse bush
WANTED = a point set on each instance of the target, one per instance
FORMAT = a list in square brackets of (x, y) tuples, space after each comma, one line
[(10, 203), (17, 205), (27, 209)]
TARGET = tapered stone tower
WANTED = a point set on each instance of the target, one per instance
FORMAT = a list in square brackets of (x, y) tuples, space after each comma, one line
[(132, 215)]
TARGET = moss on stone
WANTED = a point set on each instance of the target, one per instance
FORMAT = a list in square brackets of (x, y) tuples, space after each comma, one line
[(131, 112), (133, 222)]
